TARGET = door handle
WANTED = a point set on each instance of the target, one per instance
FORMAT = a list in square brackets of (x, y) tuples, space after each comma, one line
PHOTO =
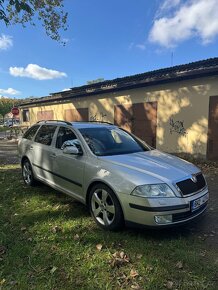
[(53, 155)]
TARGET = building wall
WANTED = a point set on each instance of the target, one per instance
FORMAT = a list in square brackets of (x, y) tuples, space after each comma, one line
[(182, 111)]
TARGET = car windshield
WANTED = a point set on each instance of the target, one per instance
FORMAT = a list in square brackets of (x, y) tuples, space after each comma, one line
[(112, 141)]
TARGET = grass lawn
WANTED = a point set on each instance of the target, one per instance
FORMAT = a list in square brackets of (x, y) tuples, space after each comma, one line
[(49, 241), (3, 129)]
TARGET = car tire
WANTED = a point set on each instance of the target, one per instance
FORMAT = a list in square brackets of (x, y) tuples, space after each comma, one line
[(27, 173), (105, 208)]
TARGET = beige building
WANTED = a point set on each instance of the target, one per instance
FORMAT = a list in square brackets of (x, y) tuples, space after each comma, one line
[(173, 109)]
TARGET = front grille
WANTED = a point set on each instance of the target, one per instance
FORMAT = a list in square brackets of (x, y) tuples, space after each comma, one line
[(178, 217), (188, 186)]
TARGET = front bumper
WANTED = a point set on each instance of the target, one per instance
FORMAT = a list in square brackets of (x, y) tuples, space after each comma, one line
[(158, 212)]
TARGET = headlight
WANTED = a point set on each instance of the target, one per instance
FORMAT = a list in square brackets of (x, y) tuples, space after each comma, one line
[(153, 190)]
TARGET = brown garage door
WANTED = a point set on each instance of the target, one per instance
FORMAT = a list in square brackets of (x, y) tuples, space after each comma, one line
[(75, 115), (45, 115), (139, 118), (212, 142)]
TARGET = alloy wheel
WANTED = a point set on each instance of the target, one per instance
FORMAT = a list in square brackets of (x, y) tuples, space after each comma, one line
[(103, 207)]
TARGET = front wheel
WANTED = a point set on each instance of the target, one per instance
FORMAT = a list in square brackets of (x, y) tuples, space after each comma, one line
[(27, 173), (105, 207)]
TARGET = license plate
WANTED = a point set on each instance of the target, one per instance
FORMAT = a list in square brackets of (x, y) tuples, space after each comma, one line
[(195, 204)]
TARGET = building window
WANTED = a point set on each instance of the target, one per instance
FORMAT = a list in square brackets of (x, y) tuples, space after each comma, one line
[(26, 116)]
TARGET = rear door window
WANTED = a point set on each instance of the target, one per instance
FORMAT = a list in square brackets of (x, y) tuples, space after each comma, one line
[(45, 134)]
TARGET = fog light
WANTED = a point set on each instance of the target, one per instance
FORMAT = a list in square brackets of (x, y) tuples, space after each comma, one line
[(163, 219)]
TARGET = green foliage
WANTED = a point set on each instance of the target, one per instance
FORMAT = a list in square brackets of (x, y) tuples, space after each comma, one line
[(49, 12), (99, 80), (6, 105)]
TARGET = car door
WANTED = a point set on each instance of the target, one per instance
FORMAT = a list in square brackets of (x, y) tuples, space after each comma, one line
[(42, 153), (68, 169), (25, 144)]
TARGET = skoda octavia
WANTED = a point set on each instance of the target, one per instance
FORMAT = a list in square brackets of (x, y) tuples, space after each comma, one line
[(121, 179)]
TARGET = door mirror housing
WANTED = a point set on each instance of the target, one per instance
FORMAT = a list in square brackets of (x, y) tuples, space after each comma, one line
[(71, 150), (72, 147)]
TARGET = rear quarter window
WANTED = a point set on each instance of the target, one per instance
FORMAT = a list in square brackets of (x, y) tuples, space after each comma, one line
[(30, 133)]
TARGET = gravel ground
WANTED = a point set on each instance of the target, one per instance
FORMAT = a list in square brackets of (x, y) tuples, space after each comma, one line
[(8, 152)]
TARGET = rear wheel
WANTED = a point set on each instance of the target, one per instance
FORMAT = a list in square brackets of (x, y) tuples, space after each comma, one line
[(105, 207), (27, 173)]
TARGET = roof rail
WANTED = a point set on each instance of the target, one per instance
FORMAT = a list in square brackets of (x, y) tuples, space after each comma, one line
[(62, 121), (103, 122)]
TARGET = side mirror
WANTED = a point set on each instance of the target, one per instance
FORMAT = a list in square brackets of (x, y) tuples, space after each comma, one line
[(72, 147), (71, 150)]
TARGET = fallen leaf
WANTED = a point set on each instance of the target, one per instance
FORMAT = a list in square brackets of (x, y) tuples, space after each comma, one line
[(2, 281), (76, 237), (139, 256), (179, 265), (29, 239), (149, 268), (99, 247), (56, 229), (119, 259), (133, 273), (135, 286), (169, 285), (53, 270), (122, 254), (23, 229)]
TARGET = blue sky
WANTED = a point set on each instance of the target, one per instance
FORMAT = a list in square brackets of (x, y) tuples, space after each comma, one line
[(106, 39)]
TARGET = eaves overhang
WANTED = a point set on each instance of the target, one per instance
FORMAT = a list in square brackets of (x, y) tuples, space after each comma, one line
[(194, 70)]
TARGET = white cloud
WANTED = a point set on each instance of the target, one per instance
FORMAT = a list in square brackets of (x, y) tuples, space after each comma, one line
[(37, 72), (5, 42), (9, 91), (191, 18), (141, 46), (167, 5), (65, 90)]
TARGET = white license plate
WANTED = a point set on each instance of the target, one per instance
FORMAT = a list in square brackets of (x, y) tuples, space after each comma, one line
[(195, 204)]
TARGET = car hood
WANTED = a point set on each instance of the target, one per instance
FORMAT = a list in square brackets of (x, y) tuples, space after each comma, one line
[(160, 165)]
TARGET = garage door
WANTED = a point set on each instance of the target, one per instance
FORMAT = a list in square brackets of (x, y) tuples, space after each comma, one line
[(45, 115), (139, 118), (76, 115), (212, 143)]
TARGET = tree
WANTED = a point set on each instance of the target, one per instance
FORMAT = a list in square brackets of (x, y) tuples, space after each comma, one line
[(49, 12), (6, 105), (99, 80)]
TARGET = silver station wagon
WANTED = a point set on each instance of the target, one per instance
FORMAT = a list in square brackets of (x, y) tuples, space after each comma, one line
[(121, 179)]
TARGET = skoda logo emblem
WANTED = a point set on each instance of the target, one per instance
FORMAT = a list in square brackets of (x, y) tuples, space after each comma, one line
[(194, 178)]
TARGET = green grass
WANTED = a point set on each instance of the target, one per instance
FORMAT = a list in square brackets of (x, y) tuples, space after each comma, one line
[(3, 129), (48, 241)]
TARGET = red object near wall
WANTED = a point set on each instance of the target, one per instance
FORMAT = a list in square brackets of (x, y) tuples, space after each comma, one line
[(15, 111)]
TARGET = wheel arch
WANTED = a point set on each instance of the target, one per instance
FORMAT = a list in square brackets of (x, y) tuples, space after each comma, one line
[(23, 159)]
